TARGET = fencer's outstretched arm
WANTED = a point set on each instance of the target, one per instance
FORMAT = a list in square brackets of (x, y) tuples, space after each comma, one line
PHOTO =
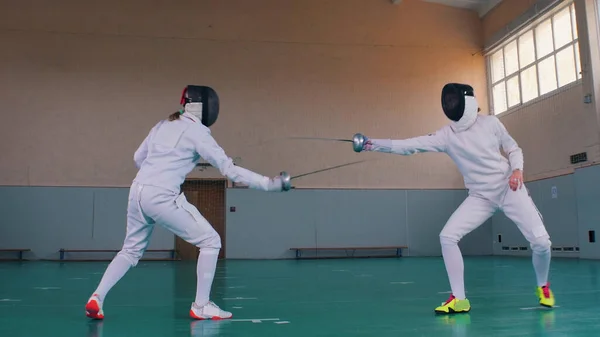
[(510, 146), (434, 142), (207, 148), (142, 152)]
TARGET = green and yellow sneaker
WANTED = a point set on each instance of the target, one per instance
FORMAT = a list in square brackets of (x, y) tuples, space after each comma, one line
[(545, 295), (454, 306)]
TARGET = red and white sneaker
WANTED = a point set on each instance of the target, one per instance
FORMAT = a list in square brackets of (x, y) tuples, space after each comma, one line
[(209, 311), (93, 308)]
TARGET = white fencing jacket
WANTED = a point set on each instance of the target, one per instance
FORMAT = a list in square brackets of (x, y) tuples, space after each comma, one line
[(475, 150), (173, 148)]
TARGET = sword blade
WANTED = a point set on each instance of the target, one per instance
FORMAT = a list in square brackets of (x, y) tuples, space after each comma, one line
[(320, 138), (327, 169)]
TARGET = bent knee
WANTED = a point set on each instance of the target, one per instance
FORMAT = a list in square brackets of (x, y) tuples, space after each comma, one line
[(448, 238), (133, 256), (211, 240), (541, 240), (541, 244)]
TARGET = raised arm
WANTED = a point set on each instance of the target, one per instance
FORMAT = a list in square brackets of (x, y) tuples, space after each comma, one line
[(509, 145), (207, 148), (434, 142)]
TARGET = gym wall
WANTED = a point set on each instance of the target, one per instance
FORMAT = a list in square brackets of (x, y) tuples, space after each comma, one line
[(550, 129), (84, 82)]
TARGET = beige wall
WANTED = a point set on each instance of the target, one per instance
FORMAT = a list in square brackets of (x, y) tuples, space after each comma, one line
[(82, 83), (502, 14), (553, 128)]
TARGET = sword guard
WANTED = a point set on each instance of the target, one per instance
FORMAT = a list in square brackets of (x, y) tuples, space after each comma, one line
[(358, 142), (286, 181)]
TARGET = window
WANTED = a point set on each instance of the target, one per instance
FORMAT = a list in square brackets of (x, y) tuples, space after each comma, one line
[(538, 61)]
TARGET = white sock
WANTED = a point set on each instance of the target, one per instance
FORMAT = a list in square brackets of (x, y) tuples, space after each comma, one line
[(541, 265), (207, 264), (115, 271), (454, 267)]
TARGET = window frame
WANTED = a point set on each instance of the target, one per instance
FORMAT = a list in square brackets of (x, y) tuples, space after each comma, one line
[(573, 43)]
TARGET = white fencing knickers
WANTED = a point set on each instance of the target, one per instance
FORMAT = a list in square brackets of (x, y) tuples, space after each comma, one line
[(183, 219), (474, 211), (149, 205)]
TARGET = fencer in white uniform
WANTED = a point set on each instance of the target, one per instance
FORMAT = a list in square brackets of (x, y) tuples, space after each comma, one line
[(167, 155), (494, 183)]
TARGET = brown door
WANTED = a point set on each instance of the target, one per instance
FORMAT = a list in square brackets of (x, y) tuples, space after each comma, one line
[(208, 195)]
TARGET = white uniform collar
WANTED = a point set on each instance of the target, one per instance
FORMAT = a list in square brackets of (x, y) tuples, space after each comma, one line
[(197, 120), (192, 117)]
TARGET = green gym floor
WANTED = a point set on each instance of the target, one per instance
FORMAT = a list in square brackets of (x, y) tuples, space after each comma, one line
[(345, 297)]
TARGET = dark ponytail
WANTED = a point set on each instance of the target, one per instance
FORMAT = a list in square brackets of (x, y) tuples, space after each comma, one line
[(174, 116)]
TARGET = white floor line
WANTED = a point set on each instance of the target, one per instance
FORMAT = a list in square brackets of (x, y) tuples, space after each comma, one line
[(239, 298), (254, 320), (401, 282), (539, 308)]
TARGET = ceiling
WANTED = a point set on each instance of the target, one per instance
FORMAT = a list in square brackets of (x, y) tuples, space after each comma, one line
[(480, 6)]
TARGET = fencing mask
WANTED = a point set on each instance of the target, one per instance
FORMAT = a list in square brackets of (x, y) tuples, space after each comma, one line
[(202, 102), (459, 104)]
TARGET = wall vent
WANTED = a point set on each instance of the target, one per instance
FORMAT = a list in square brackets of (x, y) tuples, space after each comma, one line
[(565, 249), (579, 158), (515, 248)]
